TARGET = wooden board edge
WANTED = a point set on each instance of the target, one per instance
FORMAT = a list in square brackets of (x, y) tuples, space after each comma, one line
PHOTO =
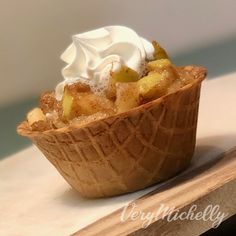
[(196, 227), (198, 185)]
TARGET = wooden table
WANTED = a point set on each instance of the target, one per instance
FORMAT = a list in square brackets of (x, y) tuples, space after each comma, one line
[(35, 200), (211, 184)]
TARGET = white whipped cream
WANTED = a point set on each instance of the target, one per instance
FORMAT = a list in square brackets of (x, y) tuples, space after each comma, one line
[(94, 54)]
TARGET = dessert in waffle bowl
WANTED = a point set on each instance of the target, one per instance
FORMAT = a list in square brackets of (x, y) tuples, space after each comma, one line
[(123, 118)]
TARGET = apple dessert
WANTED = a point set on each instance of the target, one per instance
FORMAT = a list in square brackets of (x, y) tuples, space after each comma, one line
[(123, 118), (126, 90)]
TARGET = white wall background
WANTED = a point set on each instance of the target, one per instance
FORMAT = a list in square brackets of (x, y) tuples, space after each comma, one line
[(34, 33)]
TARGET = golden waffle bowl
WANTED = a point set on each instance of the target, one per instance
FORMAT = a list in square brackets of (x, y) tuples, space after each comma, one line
[(127, 151)]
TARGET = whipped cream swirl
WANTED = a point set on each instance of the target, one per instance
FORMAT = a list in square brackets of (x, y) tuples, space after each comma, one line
[(94, 54)]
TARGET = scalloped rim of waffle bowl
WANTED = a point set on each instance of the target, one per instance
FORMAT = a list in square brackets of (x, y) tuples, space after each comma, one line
[(201, 72)]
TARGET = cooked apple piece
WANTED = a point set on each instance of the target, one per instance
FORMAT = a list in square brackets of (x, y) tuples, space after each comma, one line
[(37, 120), (69, 100), (159, 52), (88, 103), (153, 85), (158, 65), (127, 96), (68, 104), (170, 73), (125, 74), (35, 115)]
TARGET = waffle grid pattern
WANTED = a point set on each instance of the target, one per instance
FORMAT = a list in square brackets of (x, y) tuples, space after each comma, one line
[(127, 152)]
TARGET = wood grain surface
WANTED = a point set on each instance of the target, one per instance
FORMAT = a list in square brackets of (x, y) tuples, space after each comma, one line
[(211, 184)]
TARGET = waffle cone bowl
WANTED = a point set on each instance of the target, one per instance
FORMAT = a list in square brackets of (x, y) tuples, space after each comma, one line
[(127, 151)]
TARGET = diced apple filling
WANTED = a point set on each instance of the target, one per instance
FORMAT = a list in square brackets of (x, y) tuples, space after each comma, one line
[(126, 90)]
